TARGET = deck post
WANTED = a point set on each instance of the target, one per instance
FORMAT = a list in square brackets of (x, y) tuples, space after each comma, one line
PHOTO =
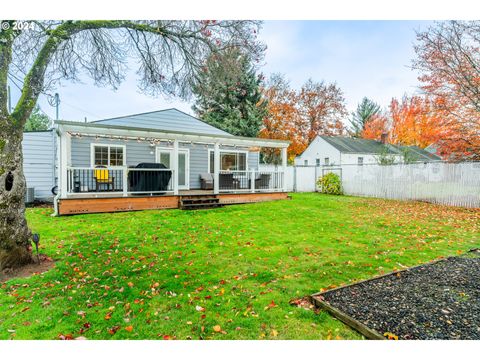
[(284, 169), (65, 144), (125, 181), (174, 166), (252, 181), (216, 168)]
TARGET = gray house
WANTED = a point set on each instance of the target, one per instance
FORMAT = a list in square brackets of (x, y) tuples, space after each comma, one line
[(39, 162), (160, 159)]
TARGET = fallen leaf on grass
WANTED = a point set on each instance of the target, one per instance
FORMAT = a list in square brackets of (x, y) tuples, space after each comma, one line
[(217, 328), (129, 328), (113, 330)]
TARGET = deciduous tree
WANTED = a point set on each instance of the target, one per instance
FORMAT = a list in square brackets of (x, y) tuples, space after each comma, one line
[(322, 109), (448, 59), (282, 121), (169, 54), (300, 115), (375, 127), (37, 121)]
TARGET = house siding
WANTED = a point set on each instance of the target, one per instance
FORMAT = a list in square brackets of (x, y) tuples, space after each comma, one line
[(39, 162), (137, 152), (319, 149)]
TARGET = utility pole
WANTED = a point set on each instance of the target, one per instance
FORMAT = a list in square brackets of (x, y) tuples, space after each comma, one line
[(57, 103), (54, 101)]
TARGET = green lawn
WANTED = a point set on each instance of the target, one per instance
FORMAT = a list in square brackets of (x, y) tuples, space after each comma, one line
[(220, 274)]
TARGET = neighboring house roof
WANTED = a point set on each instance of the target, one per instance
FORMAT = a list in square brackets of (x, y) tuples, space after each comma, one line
[(419, 153), (171, 120), (356, 145), (365, 146)]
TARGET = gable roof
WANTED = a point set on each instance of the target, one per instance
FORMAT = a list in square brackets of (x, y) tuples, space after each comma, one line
[(172, 120), (365, 146), (356, 145)]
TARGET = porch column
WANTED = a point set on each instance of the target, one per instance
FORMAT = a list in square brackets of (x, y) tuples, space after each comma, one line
[(174, 166), (216, 168), (284, 168), (65, 162)]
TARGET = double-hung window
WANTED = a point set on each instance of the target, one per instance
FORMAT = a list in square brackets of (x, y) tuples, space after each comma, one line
[(108, 155)]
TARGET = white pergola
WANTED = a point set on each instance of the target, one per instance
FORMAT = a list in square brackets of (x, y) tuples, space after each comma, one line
[(65, 129)]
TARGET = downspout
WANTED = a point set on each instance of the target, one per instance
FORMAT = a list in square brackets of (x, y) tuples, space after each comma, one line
[(59, 151)]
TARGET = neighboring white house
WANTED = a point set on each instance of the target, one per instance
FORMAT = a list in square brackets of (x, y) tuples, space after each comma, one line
[(339, 150)]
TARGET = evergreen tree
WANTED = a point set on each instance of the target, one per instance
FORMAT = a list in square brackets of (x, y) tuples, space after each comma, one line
[(37, 121), (228, 94), (365, 111)]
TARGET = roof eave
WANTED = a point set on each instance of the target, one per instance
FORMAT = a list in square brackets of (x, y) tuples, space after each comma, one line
[(172, 135)]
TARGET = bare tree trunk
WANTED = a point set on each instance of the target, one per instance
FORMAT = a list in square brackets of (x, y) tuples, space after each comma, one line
[(15, 246)]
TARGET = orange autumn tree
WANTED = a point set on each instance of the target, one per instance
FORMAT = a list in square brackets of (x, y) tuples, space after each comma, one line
[(416, 121), (411, 121), (375, 127), (282, 121), (299, 116)]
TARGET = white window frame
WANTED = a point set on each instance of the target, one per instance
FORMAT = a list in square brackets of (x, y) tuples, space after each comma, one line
[(92, 154), (326, 160), (362, 162), (318, 162), (246, 152)]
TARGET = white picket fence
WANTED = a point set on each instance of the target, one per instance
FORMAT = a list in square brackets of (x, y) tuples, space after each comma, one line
[(440, 183)]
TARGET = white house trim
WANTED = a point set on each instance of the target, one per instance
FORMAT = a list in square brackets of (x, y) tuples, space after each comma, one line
[(228, 151), (170, 150), (92, 153)]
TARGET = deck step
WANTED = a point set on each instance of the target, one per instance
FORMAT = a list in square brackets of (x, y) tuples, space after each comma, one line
[(193, 202)]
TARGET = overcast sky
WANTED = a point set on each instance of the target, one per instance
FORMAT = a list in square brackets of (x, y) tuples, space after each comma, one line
[(365, 58)]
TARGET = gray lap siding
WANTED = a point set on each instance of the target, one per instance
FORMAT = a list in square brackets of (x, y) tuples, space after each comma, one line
[(137, 152)]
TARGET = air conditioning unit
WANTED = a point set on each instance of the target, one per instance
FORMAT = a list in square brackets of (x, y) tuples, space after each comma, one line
[(30, 195)]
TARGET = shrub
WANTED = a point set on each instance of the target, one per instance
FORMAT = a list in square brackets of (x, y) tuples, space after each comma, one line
[(330, 184)]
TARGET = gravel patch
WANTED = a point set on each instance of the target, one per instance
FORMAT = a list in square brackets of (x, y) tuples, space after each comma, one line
[(440, 300)]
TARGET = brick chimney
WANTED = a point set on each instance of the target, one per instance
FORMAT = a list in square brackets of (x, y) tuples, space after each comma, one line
[(384, 138)]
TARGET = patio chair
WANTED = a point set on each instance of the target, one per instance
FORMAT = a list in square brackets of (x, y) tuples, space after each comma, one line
[(228, 182), (206, 181), (102, 176), (261, 182)]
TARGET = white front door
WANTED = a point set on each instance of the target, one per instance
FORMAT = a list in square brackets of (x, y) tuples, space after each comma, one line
[(164, 156)]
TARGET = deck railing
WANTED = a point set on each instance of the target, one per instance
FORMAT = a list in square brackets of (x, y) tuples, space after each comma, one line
[(119, 180), (124, 181), (251, 181)]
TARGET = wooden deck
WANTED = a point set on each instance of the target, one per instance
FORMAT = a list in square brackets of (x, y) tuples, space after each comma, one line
[(116, 203)]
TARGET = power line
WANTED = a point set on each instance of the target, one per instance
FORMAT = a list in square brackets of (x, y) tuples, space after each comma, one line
[(12, 77)]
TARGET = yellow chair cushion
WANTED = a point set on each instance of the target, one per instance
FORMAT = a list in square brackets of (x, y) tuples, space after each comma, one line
[(101, 175)]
